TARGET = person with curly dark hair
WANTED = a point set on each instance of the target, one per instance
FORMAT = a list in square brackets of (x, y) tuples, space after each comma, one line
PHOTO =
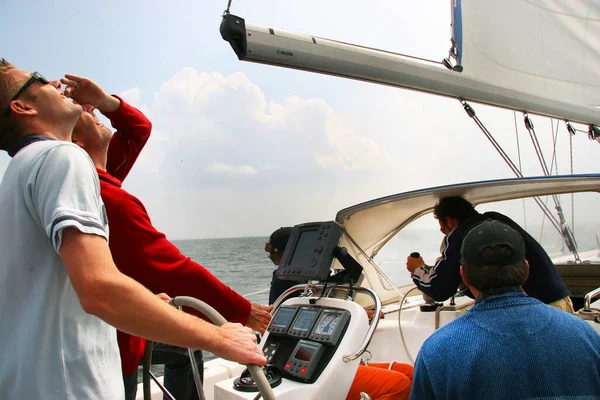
[(456, 216)]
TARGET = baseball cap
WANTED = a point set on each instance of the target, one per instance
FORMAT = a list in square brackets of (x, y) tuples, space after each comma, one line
[(480, 242), (279, 238)]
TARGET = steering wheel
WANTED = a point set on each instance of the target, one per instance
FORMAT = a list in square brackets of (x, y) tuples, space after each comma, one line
[(256, 371)]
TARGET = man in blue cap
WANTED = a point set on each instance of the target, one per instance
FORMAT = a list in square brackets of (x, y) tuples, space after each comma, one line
[(509, 345)]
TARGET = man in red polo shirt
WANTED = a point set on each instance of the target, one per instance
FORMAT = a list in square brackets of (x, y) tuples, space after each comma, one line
[(138, 249)]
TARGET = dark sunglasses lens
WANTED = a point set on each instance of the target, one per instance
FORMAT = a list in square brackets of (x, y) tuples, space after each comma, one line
[(41, 78)]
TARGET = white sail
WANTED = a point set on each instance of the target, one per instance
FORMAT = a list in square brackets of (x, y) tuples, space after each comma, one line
[(547, 48)]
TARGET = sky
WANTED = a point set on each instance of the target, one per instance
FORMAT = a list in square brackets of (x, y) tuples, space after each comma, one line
[(240, 149)]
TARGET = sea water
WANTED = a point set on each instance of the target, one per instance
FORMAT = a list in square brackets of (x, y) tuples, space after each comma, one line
[(240, 263)]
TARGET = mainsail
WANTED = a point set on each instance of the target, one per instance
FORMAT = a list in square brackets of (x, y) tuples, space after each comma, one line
[(547, 48)]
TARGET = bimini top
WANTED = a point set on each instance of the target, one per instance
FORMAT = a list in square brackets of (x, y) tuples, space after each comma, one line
[(373, 223)]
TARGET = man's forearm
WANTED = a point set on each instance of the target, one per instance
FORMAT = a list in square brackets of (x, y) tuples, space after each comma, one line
[(109, 104), (127, 305), (122, 302)]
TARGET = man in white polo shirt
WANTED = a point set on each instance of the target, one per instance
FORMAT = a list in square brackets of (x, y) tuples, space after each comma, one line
[(58, 284)]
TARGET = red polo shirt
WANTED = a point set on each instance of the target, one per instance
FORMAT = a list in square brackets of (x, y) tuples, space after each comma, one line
[(142, 252)]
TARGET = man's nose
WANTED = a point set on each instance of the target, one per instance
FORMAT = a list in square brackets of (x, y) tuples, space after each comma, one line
[(88, 108), (56, 84)]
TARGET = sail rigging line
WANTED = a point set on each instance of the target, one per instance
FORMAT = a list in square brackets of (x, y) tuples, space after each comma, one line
[(520, 163), (536, 144), (563, 228), (227, 9), (565, 231), (554, 160), (538, 150), (571, 134), (471, 112), (570, 230)]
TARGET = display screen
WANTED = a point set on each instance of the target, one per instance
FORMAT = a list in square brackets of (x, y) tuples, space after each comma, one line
[(304, 353), (303, 252), (284, 316), (327, 323), (305, 319)]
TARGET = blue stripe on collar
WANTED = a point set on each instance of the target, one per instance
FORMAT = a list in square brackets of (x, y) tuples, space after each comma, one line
[(26, 141)]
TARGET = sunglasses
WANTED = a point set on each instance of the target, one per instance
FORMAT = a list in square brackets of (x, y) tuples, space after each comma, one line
[(35, 77)]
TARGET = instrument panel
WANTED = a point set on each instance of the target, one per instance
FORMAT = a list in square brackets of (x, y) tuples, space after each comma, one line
[(324, 325), (303, 338)]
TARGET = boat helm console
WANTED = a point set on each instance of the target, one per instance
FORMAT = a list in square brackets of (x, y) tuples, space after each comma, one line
[(303, 339), (310, 252), (313, 344)]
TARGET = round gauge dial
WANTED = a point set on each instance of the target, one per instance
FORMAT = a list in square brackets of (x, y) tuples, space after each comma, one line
[(327, 324)]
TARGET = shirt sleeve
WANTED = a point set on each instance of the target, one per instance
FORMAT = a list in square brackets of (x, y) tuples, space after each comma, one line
[(441, 280), (133, 131), (145, 254), (65, 193)]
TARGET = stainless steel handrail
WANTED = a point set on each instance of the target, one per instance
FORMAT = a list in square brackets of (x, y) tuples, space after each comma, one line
[(588, 299), (451, 308), (374, 322), (283, 297)]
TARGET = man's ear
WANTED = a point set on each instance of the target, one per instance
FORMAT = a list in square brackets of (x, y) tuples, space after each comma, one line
[(452, 222), (77, 142), (18, 107)]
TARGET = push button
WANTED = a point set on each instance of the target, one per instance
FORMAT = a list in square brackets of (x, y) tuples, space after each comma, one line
[(288, 366), (303, 371)]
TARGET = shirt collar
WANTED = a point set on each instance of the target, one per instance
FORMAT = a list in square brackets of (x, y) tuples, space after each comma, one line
[(26, 141), (503, 291)]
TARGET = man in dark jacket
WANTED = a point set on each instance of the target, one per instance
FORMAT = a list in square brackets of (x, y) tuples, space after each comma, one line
[(456, 217)]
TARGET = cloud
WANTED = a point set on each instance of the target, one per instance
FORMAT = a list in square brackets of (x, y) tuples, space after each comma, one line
[(132, 96), (215, 134), (232, 170), (226, 160), (350, 150), (209, 127)]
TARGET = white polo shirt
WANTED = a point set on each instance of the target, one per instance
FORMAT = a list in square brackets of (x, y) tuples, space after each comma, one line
[(50, 348)]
